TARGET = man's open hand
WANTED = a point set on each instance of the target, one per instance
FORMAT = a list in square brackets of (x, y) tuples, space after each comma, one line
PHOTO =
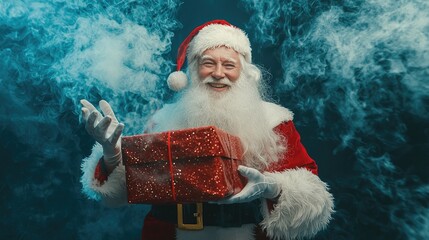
[(106, 130)]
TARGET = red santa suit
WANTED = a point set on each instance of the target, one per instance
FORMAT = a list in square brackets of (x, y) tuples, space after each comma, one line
[(303, 208)]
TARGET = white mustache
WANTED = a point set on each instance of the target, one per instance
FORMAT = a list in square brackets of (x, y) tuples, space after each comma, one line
[(220, 81)]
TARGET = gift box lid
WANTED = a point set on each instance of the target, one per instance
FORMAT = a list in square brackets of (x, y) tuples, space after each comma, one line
[(199, 142)]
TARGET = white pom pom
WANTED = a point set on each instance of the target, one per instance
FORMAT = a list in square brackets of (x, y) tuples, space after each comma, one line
[(177, 81)]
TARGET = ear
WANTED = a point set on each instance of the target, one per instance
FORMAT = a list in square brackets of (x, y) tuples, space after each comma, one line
[(253, 72)]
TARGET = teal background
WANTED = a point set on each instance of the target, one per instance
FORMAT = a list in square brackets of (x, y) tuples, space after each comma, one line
[(355, 73)]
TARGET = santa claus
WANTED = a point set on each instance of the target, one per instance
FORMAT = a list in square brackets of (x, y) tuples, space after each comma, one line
[(283, 198)]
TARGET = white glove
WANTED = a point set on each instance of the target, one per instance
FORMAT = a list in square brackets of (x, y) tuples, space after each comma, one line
[(105, 130), (258, 186)]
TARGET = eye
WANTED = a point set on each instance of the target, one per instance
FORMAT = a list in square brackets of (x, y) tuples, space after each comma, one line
[(229, 66), (207, 63)]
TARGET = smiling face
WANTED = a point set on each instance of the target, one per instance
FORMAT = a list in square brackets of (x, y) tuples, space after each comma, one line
[(219, 68), (225, 92)]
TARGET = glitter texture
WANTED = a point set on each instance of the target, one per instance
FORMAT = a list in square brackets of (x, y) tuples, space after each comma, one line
[(201, 166)]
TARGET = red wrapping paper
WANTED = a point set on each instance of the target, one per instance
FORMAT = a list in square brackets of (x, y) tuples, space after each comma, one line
[(183, 166)]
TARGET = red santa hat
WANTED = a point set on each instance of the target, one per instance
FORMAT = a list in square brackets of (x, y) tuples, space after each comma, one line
[(210, 35)]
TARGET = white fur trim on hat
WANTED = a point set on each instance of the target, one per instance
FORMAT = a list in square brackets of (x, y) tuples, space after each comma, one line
[(177, 80), (216, 35)]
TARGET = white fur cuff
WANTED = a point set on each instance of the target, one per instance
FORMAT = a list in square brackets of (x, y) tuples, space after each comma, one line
[(112, 192), (304, 206)]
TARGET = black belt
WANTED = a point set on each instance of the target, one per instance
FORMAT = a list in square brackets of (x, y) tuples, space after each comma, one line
[(225, 215)]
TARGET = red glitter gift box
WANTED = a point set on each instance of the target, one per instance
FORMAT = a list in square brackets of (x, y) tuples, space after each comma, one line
[(183, 166)]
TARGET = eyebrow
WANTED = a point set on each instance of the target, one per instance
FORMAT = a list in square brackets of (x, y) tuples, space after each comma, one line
[(208, 57)]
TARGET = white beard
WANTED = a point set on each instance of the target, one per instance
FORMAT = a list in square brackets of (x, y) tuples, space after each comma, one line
[(238, 111)]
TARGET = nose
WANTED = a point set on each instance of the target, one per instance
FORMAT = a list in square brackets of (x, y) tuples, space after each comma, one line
[(218, 72)]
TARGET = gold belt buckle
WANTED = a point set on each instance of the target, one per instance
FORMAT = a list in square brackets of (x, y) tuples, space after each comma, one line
[(198, 215)]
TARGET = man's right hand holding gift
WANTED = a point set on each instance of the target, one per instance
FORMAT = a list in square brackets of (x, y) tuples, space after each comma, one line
[(258, 186), (105, 130)]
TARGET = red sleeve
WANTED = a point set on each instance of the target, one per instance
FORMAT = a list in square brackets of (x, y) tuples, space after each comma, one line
[(100, 173), (295, 155)]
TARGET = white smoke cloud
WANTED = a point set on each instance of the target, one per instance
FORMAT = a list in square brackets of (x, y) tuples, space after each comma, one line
[(52, 54), (359, 70)]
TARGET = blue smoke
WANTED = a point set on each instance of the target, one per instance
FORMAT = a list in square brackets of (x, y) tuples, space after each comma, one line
[(54, 53), (354, 72), (360, 71)]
